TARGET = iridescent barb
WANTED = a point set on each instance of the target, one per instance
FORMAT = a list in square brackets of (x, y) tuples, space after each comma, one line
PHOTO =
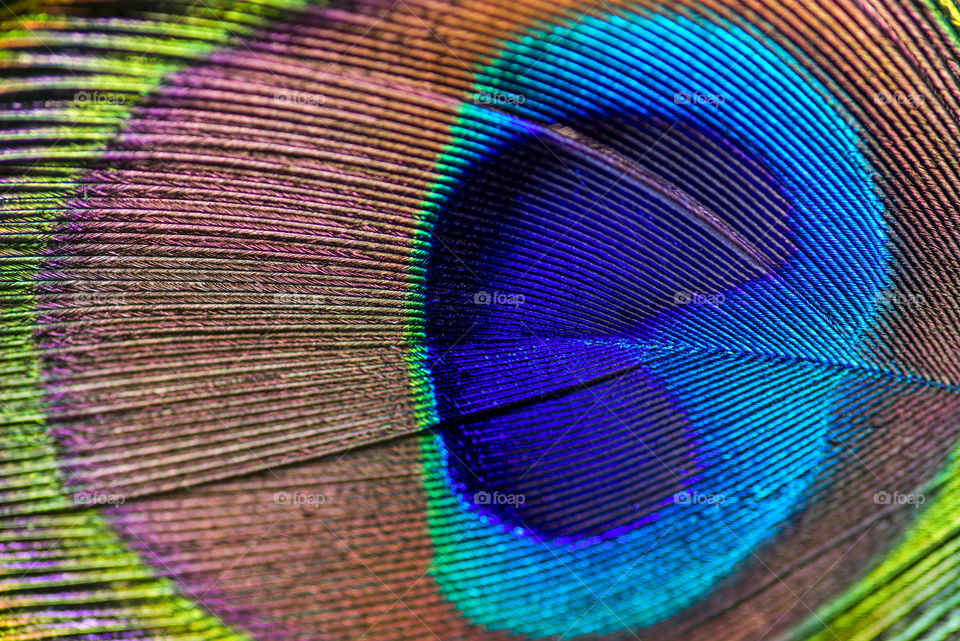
[(503, 319)]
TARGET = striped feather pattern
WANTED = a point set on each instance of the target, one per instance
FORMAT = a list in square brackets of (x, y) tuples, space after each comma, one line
[(479, 319)]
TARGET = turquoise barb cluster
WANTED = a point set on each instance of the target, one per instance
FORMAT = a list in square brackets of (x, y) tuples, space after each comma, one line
[(720, 377)]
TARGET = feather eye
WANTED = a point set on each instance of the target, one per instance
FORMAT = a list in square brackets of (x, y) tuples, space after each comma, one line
[(688, 298), (479, 320)]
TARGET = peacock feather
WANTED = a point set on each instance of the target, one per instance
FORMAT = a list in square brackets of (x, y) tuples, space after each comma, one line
[(385, 320)]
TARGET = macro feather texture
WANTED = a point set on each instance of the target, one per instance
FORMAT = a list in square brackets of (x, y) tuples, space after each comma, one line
[(479, 319)]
